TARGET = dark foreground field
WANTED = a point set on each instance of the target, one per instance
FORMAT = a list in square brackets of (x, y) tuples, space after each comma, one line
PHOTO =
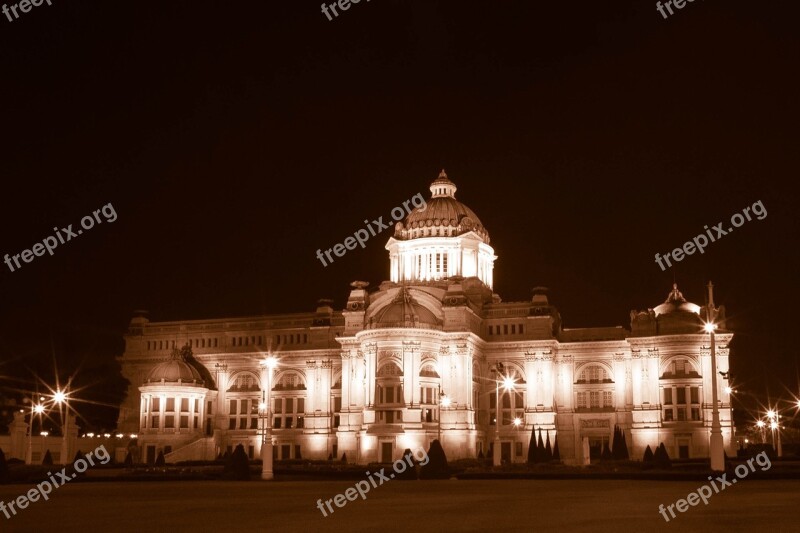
[(417, 506)]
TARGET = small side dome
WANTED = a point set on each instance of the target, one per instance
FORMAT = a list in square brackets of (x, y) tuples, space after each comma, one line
[(176, 370)]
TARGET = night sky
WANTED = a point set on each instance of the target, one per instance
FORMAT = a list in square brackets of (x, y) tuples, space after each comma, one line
[(234, 139)]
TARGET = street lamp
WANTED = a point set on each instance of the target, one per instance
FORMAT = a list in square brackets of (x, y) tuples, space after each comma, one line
[(60, 397), (774, 424), (508, 385), (444, 401), (267, 366), (716, 445), (760, 424), (36, 408)]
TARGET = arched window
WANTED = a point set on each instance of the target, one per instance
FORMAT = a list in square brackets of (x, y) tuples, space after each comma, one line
[(389, 394), (594, 374)]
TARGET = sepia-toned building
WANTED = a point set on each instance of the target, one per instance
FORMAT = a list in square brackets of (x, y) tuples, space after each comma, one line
[(426, 355)]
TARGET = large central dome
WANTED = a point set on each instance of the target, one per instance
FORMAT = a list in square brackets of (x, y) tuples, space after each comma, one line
[(439, 240), (443, 216)]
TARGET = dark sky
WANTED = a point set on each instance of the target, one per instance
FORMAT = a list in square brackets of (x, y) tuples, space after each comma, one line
[(234, 139)]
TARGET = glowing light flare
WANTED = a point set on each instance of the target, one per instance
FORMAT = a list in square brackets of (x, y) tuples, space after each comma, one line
[(770, 414), (709, 327), (508, 383), (44, 433), (60, 396), (38, 409), (728, 390), (760, 423), (517, 422), (773, 425), (446, 401), (270, 362)]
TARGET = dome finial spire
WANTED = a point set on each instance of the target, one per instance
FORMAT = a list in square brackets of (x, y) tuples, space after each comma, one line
[(442, 186)]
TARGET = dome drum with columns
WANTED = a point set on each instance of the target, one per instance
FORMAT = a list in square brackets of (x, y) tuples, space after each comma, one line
[(367, 381)]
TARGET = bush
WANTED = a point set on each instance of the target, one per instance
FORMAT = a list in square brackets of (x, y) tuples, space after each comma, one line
[(129, 459), (47, 459), (436, 467), (661, 457), (648, 455), (237, 466), (160, 459), (344, 457), (4, 475), (410, 473)]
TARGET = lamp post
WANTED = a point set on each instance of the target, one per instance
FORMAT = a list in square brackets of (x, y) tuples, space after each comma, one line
[(36, 408), (760, 424), (444, 401), (60, 397), (774, 424), (730, 391), (508, 384), (716, 445), (267, 365)]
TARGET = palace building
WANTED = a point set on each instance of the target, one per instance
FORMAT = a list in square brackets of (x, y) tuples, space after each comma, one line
[(432, 353)]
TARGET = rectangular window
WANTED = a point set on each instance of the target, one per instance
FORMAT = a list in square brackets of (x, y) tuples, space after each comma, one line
[(695, 391), (518, 403), (232, 423), (581, 400), (607, 401), (154, 422), (668, 415), (254, 422), (232, 410), (301, 405), (289, 422), (170, 404), (242, 423), (595, 398), (169, 422), (337, 404), (695, 413), (300, 422), (156, 405), (276, 423), (196, 422), (681, 414), (681, 395), (243, 407), (290, 405), (668, 396), (506, 400), (184, 405), (196, 405), (278, 405), (210, 408), (184, 422)]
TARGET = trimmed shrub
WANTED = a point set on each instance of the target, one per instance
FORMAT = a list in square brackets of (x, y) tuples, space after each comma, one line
[(160, 459), (661, 457), (237, 466), (649, 457), (47, 459), (129, 459), (4, 475), (532, 456), (344, 457), (556, 453), (436, 467), (410, 473)]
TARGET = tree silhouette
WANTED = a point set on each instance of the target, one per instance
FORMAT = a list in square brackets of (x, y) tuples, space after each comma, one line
[(47, 459), (237, 466), (160, 459)]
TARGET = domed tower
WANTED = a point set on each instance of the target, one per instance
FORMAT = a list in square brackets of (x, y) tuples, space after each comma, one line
[(441, 239)]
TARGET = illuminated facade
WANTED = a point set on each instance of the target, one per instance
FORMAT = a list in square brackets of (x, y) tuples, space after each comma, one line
[(367, 381)]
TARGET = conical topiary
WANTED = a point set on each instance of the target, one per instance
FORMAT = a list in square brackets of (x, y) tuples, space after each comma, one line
[(129, 459), (548, 450), (556, 453), (78, 455), (532, 447), (160, 459), (624, 455), (540, 453), (344, 457), (436, 467), (410, 472), (237, 466), (480, 454), (615, 446), (661, 457), (649, 457), (47, 459)]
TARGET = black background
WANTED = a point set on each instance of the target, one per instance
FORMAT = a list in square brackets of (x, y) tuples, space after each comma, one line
[(234, 139)]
